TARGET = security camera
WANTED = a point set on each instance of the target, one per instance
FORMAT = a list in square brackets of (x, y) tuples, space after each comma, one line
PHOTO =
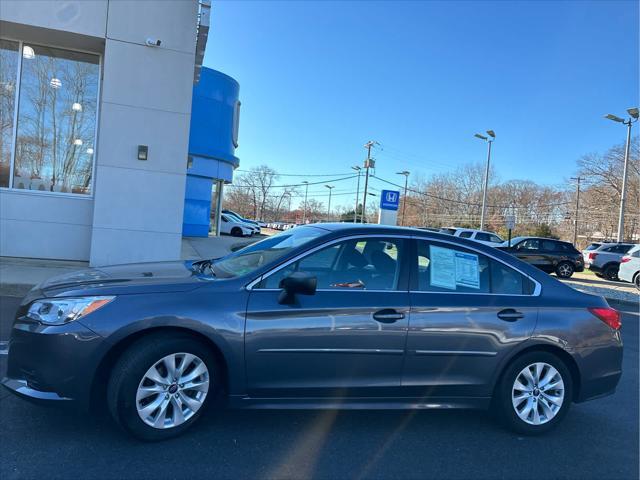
[(154, 42)]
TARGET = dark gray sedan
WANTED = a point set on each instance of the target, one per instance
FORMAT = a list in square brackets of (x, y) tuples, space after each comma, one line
[(320, 316)]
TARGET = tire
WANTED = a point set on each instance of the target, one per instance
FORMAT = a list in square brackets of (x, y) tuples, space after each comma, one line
[(611, 273), (506, 391), (636, 281), (236, 232), (599, 275), (565, 269), (130, 374)]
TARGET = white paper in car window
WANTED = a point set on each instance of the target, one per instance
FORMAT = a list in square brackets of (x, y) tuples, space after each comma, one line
[(450, 269), (443, 267), (467, 270)]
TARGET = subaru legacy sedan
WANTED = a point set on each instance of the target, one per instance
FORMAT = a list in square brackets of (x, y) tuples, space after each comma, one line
[(319, 316)]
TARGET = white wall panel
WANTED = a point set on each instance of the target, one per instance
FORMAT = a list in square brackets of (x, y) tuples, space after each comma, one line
[(86, 17), (148, 77), (134, 21), (123, 128)]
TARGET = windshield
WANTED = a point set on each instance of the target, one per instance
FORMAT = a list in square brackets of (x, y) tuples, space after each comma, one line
[(254, 256)]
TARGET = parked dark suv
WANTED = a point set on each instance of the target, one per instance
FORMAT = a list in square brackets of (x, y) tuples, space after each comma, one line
[(552, 256)]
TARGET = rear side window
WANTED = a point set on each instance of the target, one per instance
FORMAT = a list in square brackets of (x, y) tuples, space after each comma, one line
[(465, 234), (443, 268)]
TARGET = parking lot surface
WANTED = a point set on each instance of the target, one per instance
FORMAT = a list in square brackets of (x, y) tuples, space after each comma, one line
[(598, 439)]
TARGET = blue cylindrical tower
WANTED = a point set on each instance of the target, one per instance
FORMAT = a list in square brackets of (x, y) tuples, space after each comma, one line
[(213, 139)]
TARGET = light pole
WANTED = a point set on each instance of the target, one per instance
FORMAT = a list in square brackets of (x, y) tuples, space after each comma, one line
[(355, 211), (404, 200), (330, 187), (491, 134), (634, 113), (575, 227), (304, 208), (369, 163)]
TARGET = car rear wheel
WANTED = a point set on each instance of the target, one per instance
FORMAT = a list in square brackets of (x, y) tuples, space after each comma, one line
[(637, 280), (565, 269), (611, 272), (534, 394), (161, 386)]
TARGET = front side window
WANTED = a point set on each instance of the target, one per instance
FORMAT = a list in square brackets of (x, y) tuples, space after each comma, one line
[(9, 56), (488, 237), (443, 268), (466, 235), (55, 93), (531, 244), (371, 264)]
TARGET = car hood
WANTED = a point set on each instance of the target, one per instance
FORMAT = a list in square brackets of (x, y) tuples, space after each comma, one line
[(128, 278)]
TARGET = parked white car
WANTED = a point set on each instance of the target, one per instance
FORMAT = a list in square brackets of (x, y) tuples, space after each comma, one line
[(629, 270), (232, 226), (487, 238)]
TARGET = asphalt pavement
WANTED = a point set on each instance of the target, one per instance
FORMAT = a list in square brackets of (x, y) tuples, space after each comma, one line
[(598, 440)]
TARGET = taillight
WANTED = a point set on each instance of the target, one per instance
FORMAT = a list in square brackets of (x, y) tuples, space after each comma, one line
[(592, 255), (625, 259), (608, 315)]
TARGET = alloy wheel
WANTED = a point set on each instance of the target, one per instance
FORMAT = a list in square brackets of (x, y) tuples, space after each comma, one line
[(172, 390), (538, 393), (565, 270)]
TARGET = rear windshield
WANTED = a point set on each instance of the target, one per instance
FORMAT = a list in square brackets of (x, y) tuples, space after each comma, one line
[(593, 246), (254, 256)]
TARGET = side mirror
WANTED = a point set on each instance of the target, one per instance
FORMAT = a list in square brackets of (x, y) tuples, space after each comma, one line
[(298, 283)]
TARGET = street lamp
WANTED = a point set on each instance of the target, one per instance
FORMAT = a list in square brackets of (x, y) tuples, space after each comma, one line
[(330, 187), (491, 134), (404, 201), (355, 210), (304, 208), (634, 113)]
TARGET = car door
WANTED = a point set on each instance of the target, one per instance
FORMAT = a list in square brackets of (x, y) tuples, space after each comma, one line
[(468, 312), (530, 251), (347, 339)]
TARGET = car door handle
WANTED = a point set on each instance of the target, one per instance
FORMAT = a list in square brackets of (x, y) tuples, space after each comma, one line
[(510, 315), (388, 315)]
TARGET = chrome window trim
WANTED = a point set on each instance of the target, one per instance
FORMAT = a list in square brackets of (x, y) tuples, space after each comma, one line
[(536, 292), (253, 283)]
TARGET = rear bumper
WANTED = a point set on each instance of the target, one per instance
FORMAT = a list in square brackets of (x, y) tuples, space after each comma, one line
[(600, 371)]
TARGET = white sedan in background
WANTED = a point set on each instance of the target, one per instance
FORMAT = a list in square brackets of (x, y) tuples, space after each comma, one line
[(232, 226), (630, 267)]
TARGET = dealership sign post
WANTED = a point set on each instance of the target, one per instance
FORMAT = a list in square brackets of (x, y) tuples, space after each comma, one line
[(389, 200)]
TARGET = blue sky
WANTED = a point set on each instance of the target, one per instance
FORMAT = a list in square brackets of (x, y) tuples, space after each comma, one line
[(319, 79)]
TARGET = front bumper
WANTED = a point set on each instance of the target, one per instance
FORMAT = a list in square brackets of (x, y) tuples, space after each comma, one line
[(52, 364)]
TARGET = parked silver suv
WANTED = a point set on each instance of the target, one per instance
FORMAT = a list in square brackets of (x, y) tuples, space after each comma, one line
[(605, 260)]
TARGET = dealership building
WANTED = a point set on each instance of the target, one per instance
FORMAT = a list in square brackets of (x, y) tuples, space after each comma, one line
[(100, 160)]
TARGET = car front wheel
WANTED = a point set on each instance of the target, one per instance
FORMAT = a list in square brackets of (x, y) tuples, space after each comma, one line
[(611, 272), (161, 385), (565, 270), (534, 394)]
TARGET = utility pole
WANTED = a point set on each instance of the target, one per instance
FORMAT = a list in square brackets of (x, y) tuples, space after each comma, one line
[(355, 211), (330, 187), (634, 114), (404, 199), (369, 162), (575, 226), (491, 134), (304, 209)]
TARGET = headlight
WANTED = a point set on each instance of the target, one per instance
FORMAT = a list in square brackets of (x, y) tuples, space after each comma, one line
[(58, 311)]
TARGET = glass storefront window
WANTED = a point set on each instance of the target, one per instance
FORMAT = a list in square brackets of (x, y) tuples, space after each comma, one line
[(57, 114), (8, 83)]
